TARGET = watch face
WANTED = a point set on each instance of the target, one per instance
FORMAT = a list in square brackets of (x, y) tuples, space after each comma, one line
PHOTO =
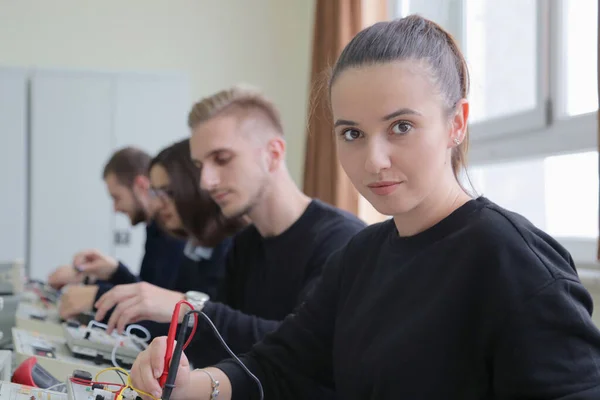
[(197, 296)]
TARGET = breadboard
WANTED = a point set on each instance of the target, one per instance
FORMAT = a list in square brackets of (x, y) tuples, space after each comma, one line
[(96, 343), (79, 391), (82, 392)]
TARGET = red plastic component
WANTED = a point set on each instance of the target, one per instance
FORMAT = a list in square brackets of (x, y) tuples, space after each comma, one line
[(23, 375)]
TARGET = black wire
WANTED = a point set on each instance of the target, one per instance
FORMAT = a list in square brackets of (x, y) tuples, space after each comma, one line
[(172, 375), (218, 335), (121, 374)]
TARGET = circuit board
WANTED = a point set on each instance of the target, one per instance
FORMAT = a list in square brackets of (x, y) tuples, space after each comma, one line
[(12, 391), (83, 392), (97, 344), (78, 391), (39, 317)]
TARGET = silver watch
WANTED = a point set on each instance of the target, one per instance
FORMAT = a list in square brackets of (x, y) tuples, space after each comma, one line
[(196, 299)]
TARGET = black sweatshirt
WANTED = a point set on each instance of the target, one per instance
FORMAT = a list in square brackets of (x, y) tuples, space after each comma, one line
[(163, 255), (481, 306), (267, 277)]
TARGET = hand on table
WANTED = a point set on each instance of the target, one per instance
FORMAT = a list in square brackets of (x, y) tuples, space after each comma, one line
[(64, 275), (136, 302), (77, 299)]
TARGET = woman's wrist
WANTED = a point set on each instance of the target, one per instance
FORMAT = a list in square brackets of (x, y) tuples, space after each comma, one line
[(201, 385)]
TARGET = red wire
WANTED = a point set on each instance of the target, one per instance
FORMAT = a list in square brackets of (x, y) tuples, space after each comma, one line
[(90, 383), (171, 339)]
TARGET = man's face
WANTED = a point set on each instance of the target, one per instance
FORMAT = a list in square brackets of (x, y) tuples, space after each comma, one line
[(234, 164), (125, 200)]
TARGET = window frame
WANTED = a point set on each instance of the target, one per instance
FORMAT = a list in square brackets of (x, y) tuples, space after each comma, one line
[(519, 123), (538, 132)]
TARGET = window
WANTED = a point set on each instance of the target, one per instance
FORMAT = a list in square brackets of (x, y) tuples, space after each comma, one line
[(534, 103), (558, 194), (571, 195), (533, 77), (507, 92), (501, 86), (580, 73)]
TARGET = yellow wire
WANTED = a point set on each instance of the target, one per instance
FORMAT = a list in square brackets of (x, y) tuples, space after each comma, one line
[(138, 390), (111, 369), (128, 385)]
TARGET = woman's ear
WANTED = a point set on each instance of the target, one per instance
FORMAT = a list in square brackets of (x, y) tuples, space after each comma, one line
[(459, 123)]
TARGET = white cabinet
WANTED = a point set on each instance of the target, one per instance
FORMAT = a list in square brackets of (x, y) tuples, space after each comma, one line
[(57, 130), (71, 138), (13, 164)]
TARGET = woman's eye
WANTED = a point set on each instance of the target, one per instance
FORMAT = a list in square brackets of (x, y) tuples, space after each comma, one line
[(351, 134), (401, 128), (222, 160)]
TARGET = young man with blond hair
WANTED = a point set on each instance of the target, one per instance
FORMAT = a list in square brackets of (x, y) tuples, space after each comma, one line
[(238, 142)]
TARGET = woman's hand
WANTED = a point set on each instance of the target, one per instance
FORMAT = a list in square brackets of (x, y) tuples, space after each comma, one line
[(148, 367), (193, 385)]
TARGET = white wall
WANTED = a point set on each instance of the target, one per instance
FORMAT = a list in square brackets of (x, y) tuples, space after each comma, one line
[(218, 43)]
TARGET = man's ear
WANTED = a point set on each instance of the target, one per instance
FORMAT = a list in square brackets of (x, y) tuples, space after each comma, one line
[(141, 182), (276, 152)]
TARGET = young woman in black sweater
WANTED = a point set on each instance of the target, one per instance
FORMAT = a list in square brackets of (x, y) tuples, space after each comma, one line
[(454, 297)]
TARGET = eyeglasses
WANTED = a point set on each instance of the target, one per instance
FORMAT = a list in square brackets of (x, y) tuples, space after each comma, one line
[(162, 193)]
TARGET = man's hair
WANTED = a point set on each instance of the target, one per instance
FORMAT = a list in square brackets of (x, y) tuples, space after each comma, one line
[(126, 164), (239, 97)]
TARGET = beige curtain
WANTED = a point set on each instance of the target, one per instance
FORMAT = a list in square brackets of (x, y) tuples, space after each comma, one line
[(336, 23)]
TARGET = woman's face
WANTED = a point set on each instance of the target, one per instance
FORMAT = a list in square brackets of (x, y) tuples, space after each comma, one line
[(161, 198), (394, 134)]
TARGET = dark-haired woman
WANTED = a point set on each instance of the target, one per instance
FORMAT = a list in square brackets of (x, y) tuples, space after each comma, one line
[(454, 298)]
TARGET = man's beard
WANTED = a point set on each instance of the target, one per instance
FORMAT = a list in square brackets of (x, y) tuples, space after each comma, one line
[(247, 208), (139, 215)]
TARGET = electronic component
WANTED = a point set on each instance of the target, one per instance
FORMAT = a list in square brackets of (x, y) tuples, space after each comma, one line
[(39, 317), (13, 391), (53, 354), (95, 344), (78, 391), (31, 373), (37, 309), (82, 375), (7, 317), (85, 391), (12, 277), (5, 365)]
